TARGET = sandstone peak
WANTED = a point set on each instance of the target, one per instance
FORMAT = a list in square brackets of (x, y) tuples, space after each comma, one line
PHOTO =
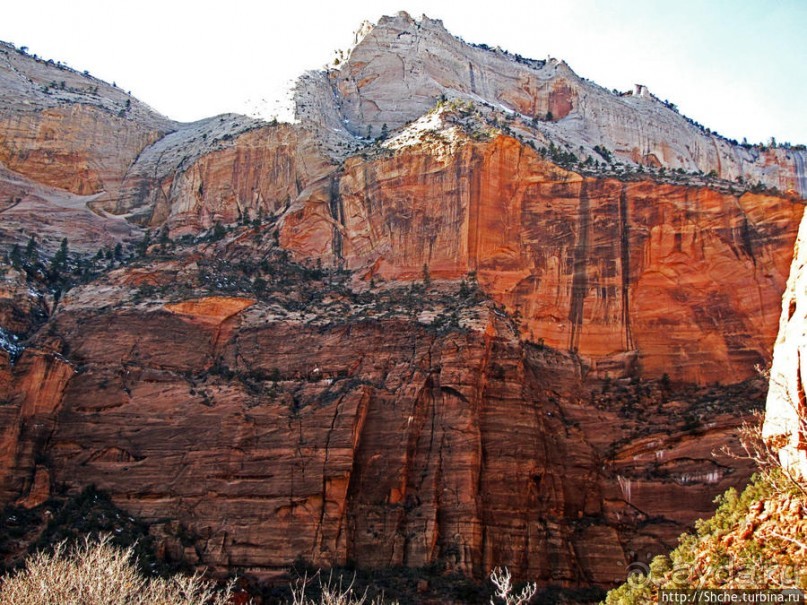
[(400, 68), (30, 83)]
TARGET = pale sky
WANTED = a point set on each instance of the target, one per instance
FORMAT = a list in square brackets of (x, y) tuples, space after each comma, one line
[(737, 66)]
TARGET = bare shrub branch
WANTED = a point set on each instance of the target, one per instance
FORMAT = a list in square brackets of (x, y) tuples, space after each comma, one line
[(502, 580), (99, 573), (332, 592)]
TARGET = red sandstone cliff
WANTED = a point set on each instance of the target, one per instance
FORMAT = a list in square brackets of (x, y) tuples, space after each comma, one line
[(271, 410), (622, 273), (376, 438)]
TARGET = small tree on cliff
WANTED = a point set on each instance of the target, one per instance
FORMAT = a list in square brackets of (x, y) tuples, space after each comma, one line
[(32, 251), (15, 256), (59, 260), (143, 246), (218, 233), (465, 291)]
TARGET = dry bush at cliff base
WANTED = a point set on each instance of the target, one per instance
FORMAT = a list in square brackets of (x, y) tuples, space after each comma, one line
[(332, 592), (98, 573), (502, 580), (765, 451), (765, 454)]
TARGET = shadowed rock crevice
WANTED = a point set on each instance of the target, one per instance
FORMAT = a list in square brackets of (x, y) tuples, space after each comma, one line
[(580, 271), (625, 268)]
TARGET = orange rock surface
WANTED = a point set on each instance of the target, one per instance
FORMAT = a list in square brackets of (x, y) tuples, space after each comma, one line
[(638, 274), (27, 419), (379, 442), (261, 174), (215, 309), (80, 148)]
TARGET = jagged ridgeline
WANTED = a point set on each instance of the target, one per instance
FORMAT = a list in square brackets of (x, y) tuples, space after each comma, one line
[(468, 310)]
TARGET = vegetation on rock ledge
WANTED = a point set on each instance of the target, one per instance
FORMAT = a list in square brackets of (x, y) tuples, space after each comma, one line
[(757, 539)]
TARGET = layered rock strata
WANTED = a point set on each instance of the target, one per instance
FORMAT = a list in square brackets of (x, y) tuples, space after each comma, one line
[(382, 442), (679, 280), (399, 69)]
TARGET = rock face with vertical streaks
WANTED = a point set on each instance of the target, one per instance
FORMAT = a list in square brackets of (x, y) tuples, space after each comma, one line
[(677, 279)]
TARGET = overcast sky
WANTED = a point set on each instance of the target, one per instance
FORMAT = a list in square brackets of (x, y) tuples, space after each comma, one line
[(737, 66)]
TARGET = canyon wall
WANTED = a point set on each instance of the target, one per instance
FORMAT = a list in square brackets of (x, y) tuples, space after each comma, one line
[(470, 310), (382, 442)]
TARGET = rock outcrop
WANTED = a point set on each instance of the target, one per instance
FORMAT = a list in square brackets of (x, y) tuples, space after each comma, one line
[(400, 68), (785, 410), (258, 175), (69, 130)]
